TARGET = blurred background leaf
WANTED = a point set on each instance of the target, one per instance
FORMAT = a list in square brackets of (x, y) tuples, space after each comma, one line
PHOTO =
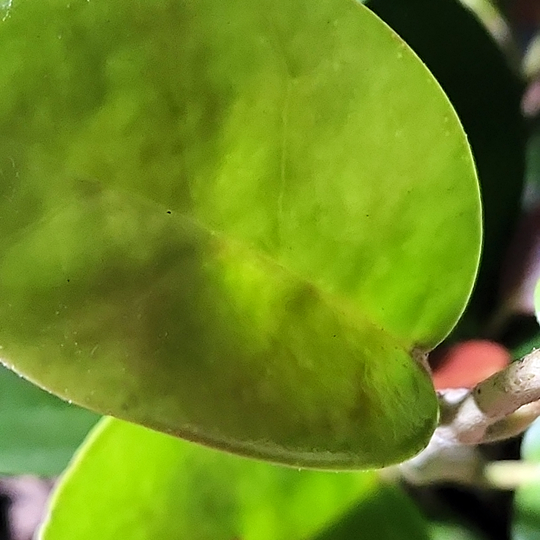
[(38, 431), (453, 531), (130, 482), (526, 520)]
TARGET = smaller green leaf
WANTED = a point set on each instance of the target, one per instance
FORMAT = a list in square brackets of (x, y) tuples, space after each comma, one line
[(38, 431), (132, 483), (526, 523)]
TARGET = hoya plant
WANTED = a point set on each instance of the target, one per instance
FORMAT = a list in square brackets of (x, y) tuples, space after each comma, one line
[(238, 230)]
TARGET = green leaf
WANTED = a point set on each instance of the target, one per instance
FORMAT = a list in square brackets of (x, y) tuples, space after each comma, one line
[(133, 483), (238, 223), (38, 431), (526, 519)]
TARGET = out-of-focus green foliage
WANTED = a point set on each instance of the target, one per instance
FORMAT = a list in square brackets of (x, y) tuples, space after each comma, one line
[(38, 431), (130, 482), (526, 523)]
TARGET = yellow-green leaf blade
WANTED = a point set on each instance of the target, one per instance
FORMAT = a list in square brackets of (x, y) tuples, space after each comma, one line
[(187, 222)]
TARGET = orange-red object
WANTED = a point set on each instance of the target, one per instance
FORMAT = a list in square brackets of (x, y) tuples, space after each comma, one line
[(466, 364)]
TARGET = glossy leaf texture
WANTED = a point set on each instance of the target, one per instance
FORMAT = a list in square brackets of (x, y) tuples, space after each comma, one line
[(526, 519), (38, 431), (486, 93), (130, 482), (234, 222)]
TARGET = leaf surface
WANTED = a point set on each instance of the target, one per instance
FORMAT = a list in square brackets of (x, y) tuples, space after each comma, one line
[(233, 222)]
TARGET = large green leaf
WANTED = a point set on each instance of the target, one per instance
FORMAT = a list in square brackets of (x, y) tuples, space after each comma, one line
[(38, 431), (232, 221), (129, 482)]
